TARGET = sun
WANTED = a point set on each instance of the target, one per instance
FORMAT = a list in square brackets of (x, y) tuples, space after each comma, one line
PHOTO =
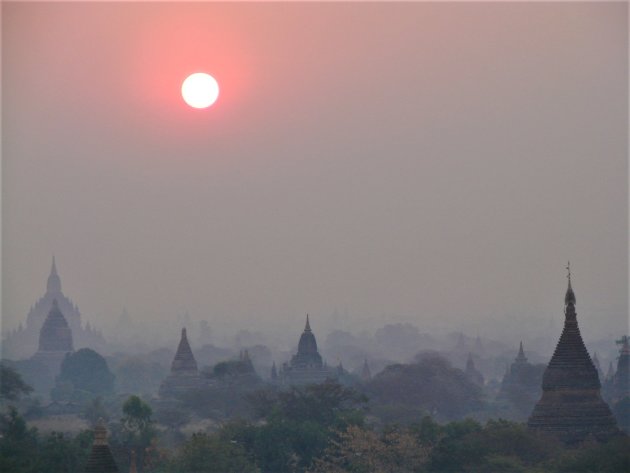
[(200, 90)]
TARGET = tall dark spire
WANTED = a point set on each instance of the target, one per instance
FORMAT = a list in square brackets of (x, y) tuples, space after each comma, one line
[(54, 281), (184, 361), (571, 406), (307, 328), (569, 298)]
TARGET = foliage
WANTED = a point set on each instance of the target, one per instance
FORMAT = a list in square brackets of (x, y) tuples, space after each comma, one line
[(95, 410), (135, 375), (329, 404), (431, 385), (172, 417), (298, 424), (138, 431), (611, 457), (210, 454), (362, 450), (11, 384), (499, 446), (84, 375), (17, 443)]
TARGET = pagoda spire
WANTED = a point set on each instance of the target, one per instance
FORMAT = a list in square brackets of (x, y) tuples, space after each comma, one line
[(521, 358), (569, 298), (54, 281), (571, 406)]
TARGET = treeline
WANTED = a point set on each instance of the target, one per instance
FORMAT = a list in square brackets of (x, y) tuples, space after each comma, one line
[(313, 429)]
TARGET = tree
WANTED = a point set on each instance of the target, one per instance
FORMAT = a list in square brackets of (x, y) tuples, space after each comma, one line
[(362, 450), (17, 443), (11, 384), (95, 411), (84, 375), (431, 386), (210, 454), (138, 430)]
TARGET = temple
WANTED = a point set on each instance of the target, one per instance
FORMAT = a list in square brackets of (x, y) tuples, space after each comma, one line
[(520, 386), (571, 406), (472, 373), (621, 378), (101, 459), (366, 374), (306, 366), (23, 342), (55, 340), (184, 374)]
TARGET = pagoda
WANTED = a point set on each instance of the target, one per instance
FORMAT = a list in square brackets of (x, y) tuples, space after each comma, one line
[(571, 406), (55, 340), (22, 342), (184, 374), (306, 365), (472, 373), (101, 459), (621, 379)]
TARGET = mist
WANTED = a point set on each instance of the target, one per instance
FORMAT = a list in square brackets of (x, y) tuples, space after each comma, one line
[(427, 164)]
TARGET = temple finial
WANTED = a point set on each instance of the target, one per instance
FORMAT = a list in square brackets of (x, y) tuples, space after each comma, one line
[(53, 284), (307, 328), (569, 298)]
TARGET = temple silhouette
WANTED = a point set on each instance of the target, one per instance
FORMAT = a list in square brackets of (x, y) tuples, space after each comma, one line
[(306, 366), (24, 341), (571, 406)]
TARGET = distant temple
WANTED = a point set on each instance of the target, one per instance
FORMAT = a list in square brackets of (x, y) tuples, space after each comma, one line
[(521, 384), (472, 373), (621, 379), (23, 342), (306, 366), (184, 374), (55, 340), (366, 374), (101, 459), (571, 406)]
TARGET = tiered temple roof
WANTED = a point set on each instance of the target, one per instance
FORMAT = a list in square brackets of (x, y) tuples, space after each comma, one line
[(23, 342), (184, 374), (571, 406), (306, 365), (55, 340), (101, 459)]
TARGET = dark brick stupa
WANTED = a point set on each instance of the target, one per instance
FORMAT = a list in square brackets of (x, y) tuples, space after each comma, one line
[(571, 406), (101, 459), (184, 374)]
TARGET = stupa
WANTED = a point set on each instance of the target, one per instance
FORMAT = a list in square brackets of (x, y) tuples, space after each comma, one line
[(306, 366), (184, 374), (101, 459), (571, 406)]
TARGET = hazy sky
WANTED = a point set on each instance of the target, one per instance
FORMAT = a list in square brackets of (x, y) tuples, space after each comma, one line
[(430, 163)]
